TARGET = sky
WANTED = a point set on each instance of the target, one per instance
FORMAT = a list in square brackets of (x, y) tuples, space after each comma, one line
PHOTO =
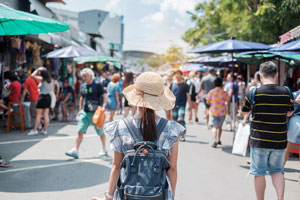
[(150, 25)]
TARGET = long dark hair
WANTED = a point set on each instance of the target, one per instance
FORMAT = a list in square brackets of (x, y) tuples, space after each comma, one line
[(128, 80), (148, 125), (46, 76)]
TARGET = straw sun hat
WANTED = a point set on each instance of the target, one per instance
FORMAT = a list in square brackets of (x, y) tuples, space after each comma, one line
[(149, 91)]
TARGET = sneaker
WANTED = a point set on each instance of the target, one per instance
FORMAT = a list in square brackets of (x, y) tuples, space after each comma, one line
[(73, 153), (40, 128), (214, 145), (44, 132), (220, 143), (103, 152), (33, 132)]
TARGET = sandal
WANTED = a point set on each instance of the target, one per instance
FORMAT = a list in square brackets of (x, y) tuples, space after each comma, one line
[(3, 164)]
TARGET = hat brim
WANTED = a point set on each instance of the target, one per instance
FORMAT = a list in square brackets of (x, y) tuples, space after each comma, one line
[(166, 101)]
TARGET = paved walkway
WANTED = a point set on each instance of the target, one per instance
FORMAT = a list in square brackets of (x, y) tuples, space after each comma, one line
[(42, 171)]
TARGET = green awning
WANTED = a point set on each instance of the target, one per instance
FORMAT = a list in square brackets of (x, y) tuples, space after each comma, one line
[(15, 22)]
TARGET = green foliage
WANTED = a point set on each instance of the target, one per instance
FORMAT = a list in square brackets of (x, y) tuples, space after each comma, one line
[(155, 60), (252, 20), (174, 54)]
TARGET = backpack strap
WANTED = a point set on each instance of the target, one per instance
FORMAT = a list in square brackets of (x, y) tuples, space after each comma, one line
[(290, 92), (161, 126), (131, 128), (252, 101)]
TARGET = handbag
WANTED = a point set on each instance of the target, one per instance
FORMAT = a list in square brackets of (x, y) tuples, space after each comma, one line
[(241, 139), (99, 117)]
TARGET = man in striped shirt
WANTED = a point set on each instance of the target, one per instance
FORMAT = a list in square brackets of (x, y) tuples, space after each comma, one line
[(268, 139)]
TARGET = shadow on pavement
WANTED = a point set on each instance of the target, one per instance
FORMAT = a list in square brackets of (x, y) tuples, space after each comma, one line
[(54, 178), (194, 141), (11, 150), (228, 149), (245, 167)]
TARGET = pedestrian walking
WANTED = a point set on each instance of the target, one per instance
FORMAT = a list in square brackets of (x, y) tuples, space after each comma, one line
[(31, 87), (270, 105), (181, 91), (43, 105), (217, 99), (150, 95), (197, 82), (113, 99), (293, 124), (192, 91), (207, 84), (91, 93), (233, 92)]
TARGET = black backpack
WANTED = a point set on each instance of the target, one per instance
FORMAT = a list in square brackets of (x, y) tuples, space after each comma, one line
[(144, 176)]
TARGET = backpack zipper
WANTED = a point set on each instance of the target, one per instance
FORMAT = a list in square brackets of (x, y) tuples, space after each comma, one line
[(140, 196)]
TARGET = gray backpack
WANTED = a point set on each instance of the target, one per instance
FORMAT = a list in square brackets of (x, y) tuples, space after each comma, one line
[(144, 176)]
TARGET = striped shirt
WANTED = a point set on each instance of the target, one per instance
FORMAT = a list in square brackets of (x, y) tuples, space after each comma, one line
[(269, 121)]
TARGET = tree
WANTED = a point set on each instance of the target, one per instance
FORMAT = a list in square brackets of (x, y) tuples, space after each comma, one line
[(174, 54), (155, 61), (252, 20)]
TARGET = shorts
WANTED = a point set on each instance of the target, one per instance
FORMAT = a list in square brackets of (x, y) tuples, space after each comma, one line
[(44, 101), (216, 120), (266, 161), (85, 119), (206, 105), (293, 128)]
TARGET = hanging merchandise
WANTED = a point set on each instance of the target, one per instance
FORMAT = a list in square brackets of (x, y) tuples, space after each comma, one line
[(28, 47), (36, 54), (15, 42)]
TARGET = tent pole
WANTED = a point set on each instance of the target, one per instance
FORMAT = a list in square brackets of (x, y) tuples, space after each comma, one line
[(233, 97)]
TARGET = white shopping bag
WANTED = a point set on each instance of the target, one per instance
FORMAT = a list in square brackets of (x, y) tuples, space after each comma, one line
[(241, 140)]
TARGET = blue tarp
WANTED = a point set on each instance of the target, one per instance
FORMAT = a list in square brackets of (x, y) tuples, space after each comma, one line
[(230, 46)]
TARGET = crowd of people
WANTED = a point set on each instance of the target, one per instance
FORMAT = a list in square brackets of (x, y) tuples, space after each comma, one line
[(227, 99)]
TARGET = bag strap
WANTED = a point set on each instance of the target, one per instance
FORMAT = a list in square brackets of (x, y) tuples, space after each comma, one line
[(252, 101), (252, 95), (132, 129), (290, 92)]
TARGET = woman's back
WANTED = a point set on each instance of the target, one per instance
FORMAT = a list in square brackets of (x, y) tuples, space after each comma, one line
[(122, 140), (45, 87)]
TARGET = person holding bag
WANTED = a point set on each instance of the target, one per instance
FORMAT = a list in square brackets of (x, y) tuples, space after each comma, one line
[(91, 93), (149, 94)]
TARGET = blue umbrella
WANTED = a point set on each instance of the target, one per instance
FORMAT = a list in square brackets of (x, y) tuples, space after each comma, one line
[(231, 46), (202, 59), (192, 67), (291, 46), (71, 52)]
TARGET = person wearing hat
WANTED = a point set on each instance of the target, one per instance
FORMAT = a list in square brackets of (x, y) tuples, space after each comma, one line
[(149, 94)]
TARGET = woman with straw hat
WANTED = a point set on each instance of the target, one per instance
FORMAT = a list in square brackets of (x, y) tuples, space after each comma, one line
[(149, 94)]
